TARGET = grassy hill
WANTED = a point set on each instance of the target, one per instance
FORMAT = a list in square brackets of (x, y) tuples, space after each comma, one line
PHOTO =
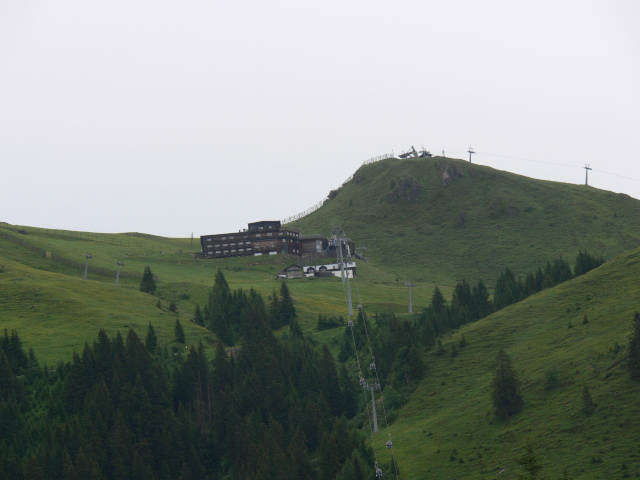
[(55, 311), (447, 429), (441, 220), (56, 314), (435, 221)]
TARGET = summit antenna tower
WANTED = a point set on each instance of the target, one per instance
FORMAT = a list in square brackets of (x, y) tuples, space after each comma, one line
[(586, 171)]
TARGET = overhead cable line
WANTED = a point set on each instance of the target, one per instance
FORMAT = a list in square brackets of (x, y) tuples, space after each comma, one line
[(527, 160), (557, 164), (339, 241)]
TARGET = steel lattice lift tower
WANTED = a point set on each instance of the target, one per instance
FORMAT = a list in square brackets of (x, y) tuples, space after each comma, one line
[(337, 240)]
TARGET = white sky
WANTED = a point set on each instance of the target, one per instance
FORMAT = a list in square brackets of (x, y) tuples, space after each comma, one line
[(172, 117)]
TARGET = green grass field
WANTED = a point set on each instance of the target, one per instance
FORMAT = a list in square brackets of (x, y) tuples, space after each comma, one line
[(447, 429), (41, 297)]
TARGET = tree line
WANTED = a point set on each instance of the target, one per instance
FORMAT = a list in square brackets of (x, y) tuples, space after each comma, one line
[(400, 345), (127, 408), (226, 311)]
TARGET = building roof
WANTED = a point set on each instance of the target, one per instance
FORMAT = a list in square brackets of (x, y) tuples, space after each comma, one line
[(292, 268)]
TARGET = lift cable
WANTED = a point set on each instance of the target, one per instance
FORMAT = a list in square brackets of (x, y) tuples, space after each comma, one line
[(363, 383), (389, 443)]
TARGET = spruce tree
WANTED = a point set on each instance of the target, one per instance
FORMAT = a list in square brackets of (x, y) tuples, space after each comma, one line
[(179, 332), (147, 284), (151, 342), (198, 317), (481, 304), (287, 310), (505, 388), (219, 309), (634, 348), (508, 290), (529, 464), (275, 319)]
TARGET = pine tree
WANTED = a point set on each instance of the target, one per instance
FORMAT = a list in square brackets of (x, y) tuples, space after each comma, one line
[(287, 310), (508, 290), (147, 284), (179, 332), (482, 306), (198, 317), (505, 388), (295, 329), (219, 309), (329, 382), (634, 348), (275, 319), (529, 464), (151, 342)]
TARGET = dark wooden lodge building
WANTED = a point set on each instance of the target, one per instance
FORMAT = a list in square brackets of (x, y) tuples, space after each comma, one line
[(261, 238)]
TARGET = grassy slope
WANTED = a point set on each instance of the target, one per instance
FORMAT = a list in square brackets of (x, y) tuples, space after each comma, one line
[(55, 313), (451, 410), (35, 288), (509, 220)]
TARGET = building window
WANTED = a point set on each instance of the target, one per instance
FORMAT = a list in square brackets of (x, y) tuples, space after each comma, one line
[(208, 239), (223, 238), (233, 250), (230, 237), (269, 234), (257, 235), (242, 249)]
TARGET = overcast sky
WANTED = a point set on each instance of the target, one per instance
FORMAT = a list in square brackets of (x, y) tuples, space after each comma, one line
[(172, 117)]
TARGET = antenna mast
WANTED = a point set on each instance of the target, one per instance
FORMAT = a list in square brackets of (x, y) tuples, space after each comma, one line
[(586, 171), (471, 152)]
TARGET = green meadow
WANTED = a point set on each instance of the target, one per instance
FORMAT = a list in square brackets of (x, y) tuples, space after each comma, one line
[(448, 430), (55, 311)]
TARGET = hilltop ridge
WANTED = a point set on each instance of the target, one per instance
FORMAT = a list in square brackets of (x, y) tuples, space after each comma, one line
[(441, 219)]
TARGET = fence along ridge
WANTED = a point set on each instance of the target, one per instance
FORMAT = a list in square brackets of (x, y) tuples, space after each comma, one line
[(315, 207), (105, 272)]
